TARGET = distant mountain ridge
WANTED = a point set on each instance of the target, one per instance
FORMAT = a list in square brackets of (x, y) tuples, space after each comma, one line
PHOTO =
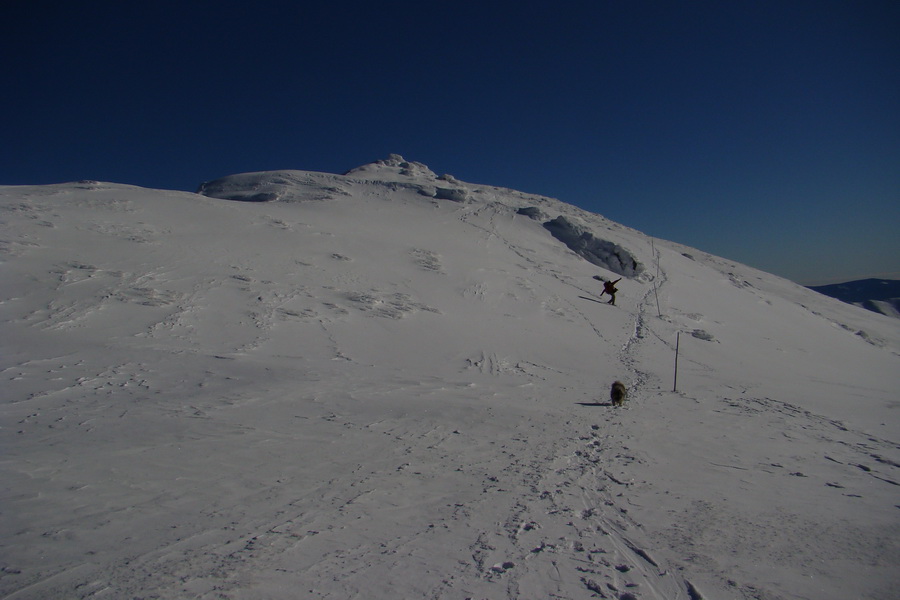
[(878, 295)]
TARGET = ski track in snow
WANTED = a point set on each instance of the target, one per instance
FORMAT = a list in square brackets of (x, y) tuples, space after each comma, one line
[(250, 435)]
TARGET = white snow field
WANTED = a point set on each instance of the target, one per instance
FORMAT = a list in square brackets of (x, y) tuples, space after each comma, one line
[(390, 385)]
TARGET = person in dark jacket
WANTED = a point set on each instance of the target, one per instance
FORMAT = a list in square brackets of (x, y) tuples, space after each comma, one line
[(609, 287)]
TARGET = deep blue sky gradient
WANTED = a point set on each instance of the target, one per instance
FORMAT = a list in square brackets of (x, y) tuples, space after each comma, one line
[(766, 132)]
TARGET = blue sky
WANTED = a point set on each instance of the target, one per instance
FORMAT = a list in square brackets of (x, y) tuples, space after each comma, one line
[(766, 132)]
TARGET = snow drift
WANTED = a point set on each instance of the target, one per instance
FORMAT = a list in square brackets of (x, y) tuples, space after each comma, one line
[(349, 386), (602, 253)]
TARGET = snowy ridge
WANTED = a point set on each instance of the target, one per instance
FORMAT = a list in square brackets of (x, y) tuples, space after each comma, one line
[(361, 386), (878, 295)]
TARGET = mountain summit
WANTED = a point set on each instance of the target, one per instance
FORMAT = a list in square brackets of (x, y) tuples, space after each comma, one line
[(392, 167), (572, 227)]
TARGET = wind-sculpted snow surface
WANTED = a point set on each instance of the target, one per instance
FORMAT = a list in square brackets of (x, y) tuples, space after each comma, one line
[(278, 186), (366, 391), (602, 253)]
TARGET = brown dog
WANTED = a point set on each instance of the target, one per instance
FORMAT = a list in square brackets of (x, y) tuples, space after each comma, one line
[(617, 393)]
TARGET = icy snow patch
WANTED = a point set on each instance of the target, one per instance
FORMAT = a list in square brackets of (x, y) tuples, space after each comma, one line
[(274, 186)]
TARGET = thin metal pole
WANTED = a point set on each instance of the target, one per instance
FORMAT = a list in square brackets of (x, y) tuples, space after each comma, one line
[(656, 280), (656, 256), (655, 293), (677, 344)]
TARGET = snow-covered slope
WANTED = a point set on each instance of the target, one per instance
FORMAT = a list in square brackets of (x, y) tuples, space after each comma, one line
[(388, 384)]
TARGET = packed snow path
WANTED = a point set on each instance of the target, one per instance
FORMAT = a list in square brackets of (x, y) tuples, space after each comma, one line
[(373, 393)]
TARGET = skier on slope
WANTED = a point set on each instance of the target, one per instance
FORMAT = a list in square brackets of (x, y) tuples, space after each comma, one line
[(609, 287)]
